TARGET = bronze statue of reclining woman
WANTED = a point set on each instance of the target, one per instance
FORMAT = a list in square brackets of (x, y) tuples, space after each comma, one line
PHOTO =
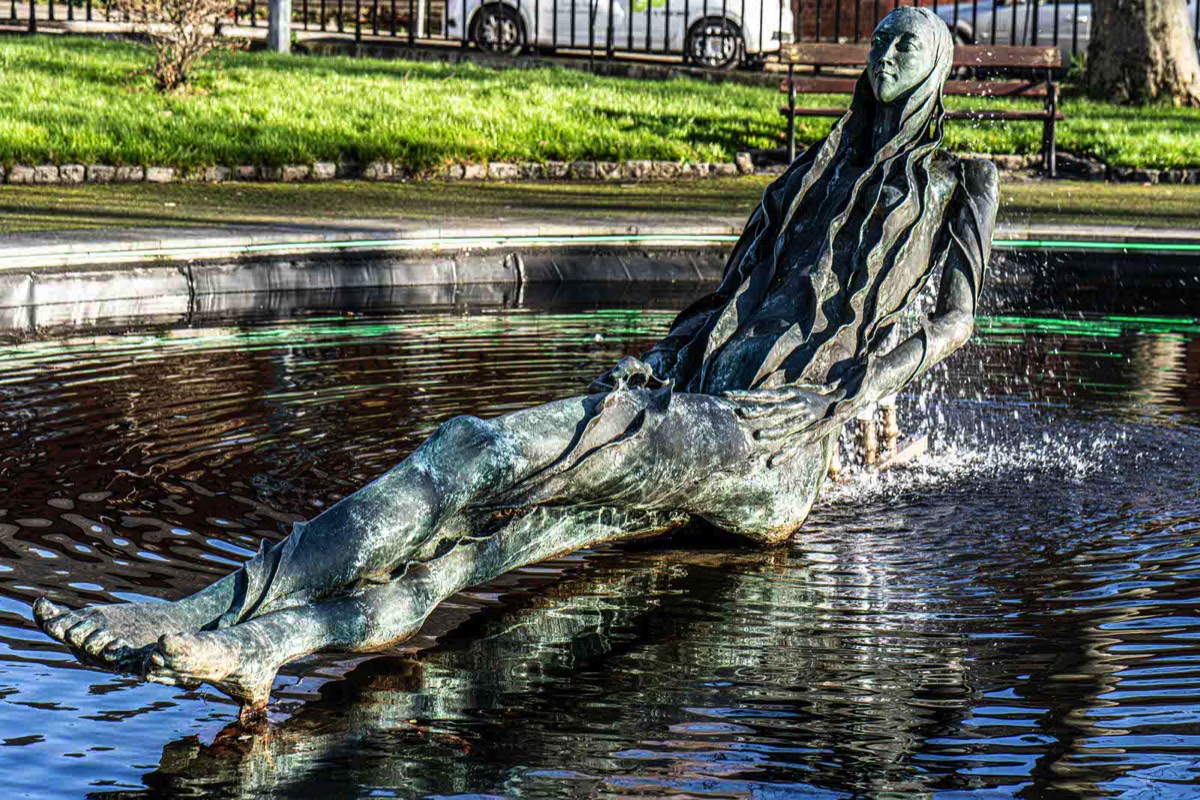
[(732, 418)]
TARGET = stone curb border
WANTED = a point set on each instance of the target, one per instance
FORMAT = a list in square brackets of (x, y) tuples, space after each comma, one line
[(52, 174), (1069, 166)]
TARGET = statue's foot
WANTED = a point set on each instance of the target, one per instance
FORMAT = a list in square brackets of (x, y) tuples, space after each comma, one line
[(217, 658), (118, 636)]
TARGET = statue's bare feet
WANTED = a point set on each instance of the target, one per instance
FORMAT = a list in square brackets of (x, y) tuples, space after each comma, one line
[(218, 658), (118, 636)]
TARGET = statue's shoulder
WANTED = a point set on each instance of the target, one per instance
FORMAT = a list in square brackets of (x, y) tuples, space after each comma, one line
[(980, 178), (977, 176)]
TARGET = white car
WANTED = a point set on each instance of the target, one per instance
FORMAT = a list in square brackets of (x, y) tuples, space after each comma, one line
[(1067, 23), (710, 33)]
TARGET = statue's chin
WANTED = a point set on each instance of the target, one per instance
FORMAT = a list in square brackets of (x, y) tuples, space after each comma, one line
[(885, 92), (888, 92)]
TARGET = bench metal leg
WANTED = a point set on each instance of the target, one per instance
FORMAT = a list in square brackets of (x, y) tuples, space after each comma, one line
[(1049, 128), (791, 123)]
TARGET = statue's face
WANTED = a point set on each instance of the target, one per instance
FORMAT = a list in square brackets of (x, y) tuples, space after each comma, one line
[(901, 54)]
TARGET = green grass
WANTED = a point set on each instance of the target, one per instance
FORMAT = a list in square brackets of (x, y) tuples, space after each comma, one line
[(52, 208), (69, 99)]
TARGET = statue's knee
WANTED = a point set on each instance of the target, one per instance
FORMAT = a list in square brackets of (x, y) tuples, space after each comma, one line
[(466, 444), (464, 432)]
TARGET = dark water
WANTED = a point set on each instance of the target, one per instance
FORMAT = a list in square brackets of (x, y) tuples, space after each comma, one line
[(1017, 616)]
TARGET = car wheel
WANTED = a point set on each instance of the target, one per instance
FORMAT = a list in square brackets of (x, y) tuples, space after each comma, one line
[(714, 43), (498, 29), (962, 33)]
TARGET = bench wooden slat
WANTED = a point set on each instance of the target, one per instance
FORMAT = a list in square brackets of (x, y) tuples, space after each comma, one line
[(1018, 114), (1039, 115), (1007, 55), (813, 112), (824, 54), (830, 54), (822, 85), (996, 88)]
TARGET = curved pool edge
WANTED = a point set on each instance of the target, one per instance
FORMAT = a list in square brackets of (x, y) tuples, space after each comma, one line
[(49, 280), (75, 250)]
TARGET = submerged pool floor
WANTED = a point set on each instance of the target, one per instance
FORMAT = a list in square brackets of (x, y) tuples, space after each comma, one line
[(1014, 616)]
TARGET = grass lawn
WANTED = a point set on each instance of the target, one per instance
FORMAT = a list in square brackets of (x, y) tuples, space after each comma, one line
[(82, 100), (48, 208)]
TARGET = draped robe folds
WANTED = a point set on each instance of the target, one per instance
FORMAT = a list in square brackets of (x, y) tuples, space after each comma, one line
[(837, 251)]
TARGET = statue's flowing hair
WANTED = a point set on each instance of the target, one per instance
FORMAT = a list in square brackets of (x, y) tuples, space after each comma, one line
[(863, 226)]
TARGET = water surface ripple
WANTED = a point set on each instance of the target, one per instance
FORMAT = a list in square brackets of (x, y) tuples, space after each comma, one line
[(1017, 616)]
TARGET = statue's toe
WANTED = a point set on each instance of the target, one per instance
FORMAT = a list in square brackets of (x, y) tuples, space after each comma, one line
[(116, 650), (188, 657), (44, 611), (164, 665), (117, 653), (78, 633), (179, 647), (59, 626), (95, 644)]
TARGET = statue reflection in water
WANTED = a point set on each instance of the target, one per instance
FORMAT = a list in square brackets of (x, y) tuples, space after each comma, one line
[(731, 419), (511, 693)]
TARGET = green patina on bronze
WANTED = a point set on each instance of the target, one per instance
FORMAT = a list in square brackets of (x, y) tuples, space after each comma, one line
[(731, 419)]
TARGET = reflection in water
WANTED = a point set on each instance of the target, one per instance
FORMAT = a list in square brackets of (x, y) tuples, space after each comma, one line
[(1015, 617)]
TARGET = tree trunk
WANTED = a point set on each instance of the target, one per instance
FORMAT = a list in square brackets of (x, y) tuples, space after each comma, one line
[(1143, 51)]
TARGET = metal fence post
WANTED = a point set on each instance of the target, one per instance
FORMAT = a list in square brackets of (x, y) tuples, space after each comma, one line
[(33, 16), (279, 26), (611, 33)]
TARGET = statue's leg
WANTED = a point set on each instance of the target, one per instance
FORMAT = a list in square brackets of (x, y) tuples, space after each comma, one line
[(364, 537), (688, 457), (242, 660)]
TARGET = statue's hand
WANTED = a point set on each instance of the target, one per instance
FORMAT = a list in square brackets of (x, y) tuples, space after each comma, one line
[(629, 373), (779, 413)]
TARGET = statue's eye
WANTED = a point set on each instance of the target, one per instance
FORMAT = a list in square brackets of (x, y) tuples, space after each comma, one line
[(877, 41)]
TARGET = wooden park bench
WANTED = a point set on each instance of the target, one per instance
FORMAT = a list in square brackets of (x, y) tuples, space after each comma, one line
[(1039, 62)]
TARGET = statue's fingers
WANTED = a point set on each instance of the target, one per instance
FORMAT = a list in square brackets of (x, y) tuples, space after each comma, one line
[(758, 398), (760, 411), (778, 429), (787, 426), (754, 411), (799, 405), (772, 434)]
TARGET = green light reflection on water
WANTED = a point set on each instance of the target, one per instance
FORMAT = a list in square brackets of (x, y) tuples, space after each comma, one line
[(1099, 326), (569, 328)]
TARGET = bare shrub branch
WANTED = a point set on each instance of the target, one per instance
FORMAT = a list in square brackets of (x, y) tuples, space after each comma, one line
[(181, 32)]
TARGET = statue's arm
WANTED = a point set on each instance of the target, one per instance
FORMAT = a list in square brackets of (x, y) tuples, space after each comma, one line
[(972, 219)]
